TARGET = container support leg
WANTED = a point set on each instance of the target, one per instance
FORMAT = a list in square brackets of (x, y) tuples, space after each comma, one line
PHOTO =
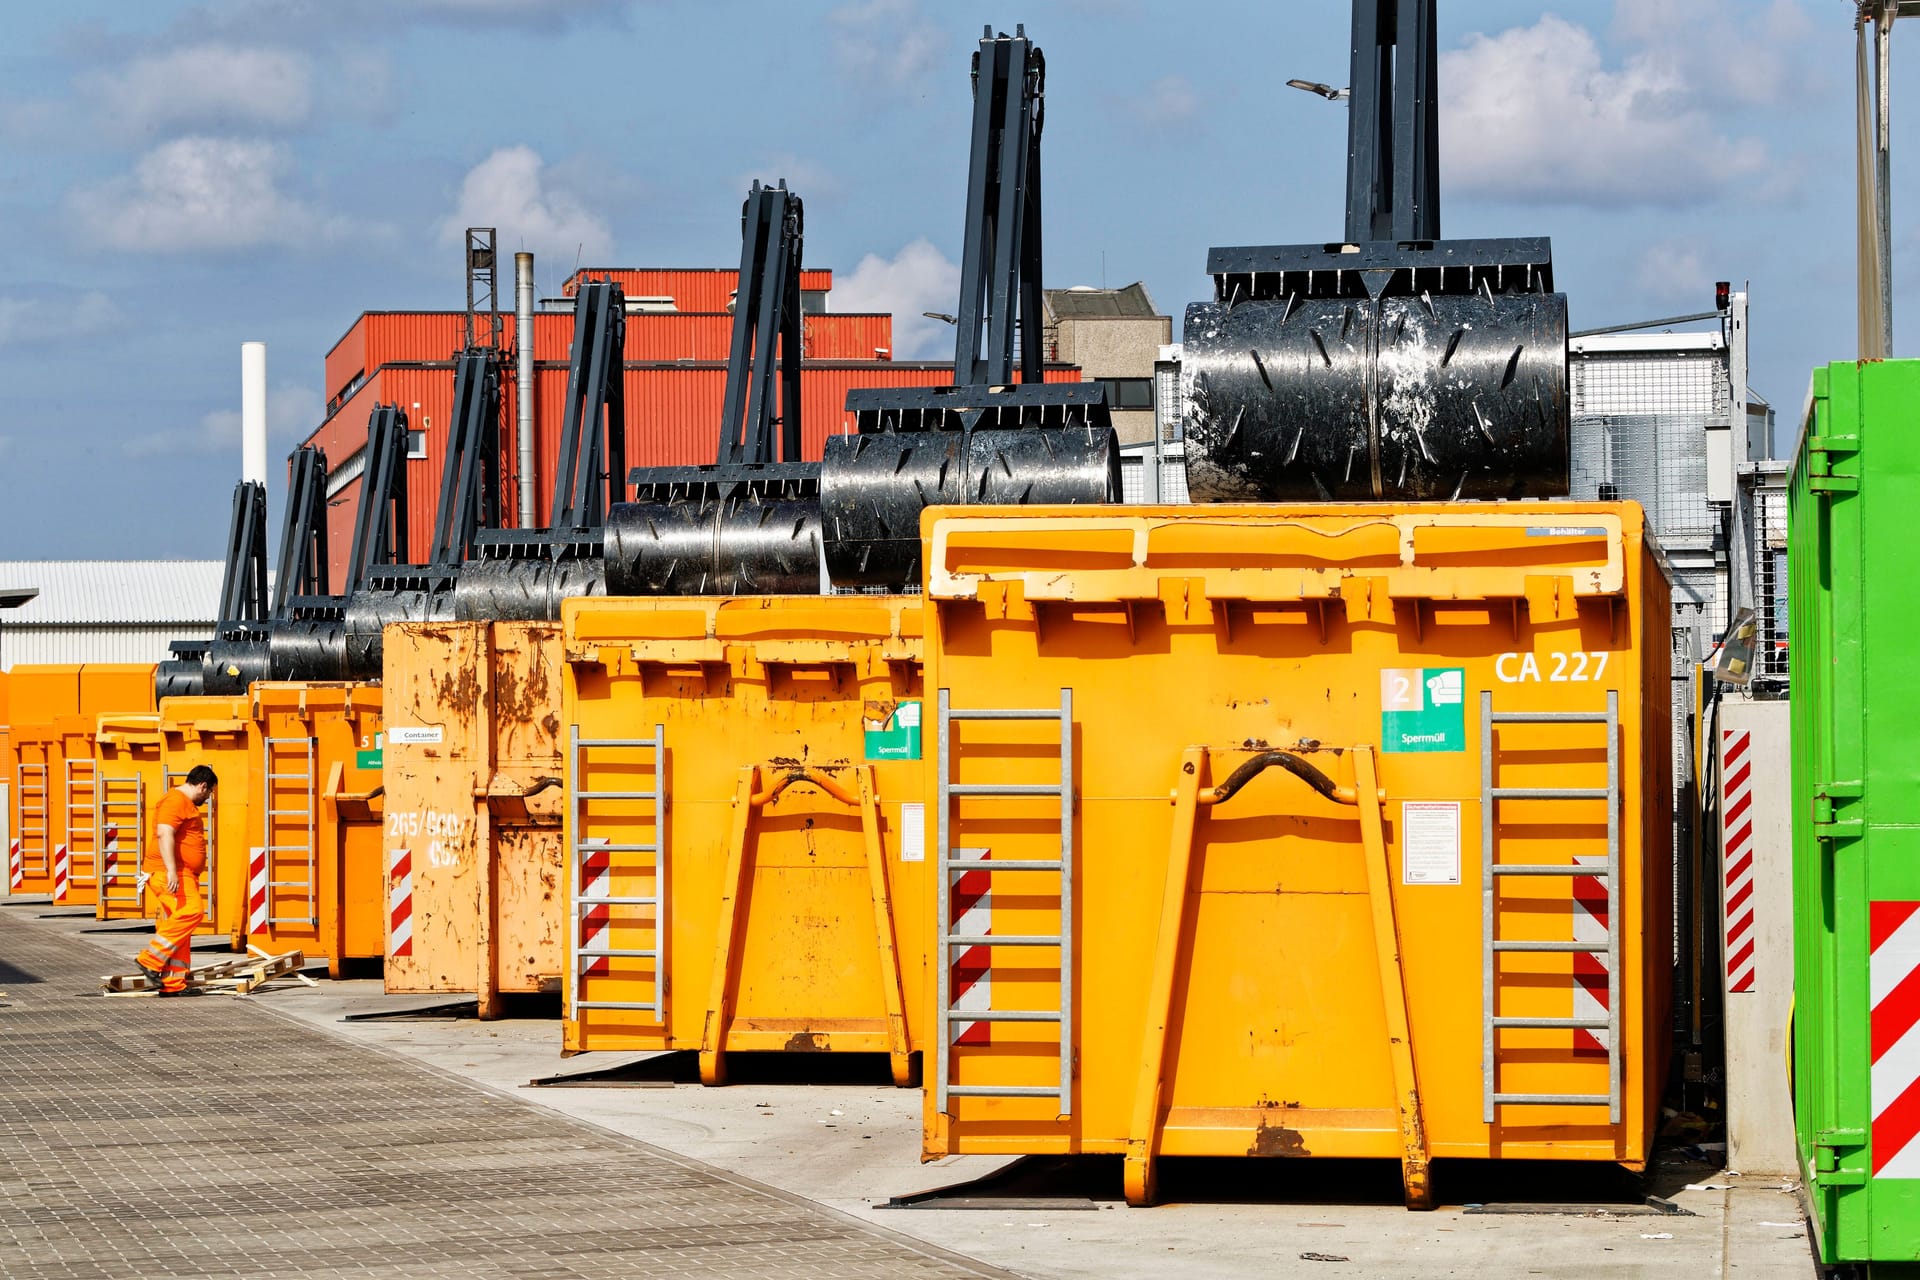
[(1143, 1136), (713, 1037), (898, 1053), (1393, 989)]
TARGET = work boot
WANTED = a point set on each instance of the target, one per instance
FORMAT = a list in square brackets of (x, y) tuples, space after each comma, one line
[(184, 991), (152, 976)]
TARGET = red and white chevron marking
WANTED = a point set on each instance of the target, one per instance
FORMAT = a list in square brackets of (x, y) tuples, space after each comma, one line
[(16, 866), (257, 890), (1590, 968), (400, 904), (972, 982), (596, 880), (60, 872), (1893, 979), (110, 859), (1736, 809)]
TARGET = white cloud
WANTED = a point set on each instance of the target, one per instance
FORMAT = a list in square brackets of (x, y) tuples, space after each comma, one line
[(509, 190), (531, 12), (54, 319), (1672, 271), (1730, 51), (1169, 102), (918, 278), (888, 42), (201, 194), (293, 410), (1533, 114), (206, 85)]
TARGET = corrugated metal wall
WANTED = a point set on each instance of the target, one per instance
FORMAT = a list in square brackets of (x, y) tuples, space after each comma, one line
[(90, 643)]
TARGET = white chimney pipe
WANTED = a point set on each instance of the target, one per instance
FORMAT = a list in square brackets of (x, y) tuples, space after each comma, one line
[(253, 411), (523, 385)]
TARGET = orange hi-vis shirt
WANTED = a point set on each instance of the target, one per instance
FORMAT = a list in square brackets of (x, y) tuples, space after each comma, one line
[(189, 832)]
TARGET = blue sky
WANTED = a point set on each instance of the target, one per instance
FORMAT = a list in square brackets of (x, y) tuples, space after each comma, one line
[(178, 178)]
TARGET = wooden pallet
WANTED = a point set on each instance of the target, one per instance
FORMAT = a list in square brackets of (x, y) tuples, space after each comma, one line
[(240, 976)]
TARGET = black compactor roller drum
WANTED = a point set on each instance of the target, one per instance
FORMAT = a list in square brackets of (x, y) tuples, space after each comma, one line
[(369, 612), (312, 647), (236, 659), (714, 533), (524, 590), (1407, 398), (873, 487)]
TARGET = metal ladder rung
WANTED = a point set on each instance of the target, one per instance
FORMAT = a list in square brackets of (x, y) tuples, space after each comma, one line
[(1002, 1091), (961, 866), (1003, 1015), (587, 900), (1010, 940), (620, 848), (617, 953), (1576, 948), (958, 713), (1555, 1024), (1549, 717), (1008, 789), (1561, 869), (1551, 793), (638, 744), (640, 1005), (1553, 1099), (289, 777), (290, 813)]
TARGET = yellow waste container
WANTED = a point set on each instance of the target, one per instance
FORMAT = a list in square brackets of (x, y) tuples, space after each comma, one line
[(213, 731), (744, 811), (1309, 831), (475, 872), (314, 875)]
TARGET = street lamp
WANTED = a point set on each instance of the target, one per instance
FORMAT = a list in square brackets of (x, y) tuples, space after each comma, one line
[(942, 316), (1326, 91)]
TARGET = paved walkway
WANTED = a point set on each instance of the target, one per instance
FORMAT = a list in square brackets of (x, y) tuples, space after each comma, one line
[(147, 1139)]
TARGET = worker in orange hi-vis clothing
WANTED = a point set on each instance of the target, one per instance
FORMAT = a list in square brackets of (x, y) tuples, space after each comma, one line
[(179, 856)]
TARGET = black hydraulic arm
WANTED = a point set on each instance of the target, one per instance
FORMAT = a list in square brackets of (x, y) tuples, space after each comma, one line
[(380, 525), (1393, 124), (1000, 262), (470, 480), (766, 326), (591, 475), (303, 531), (243, 585)]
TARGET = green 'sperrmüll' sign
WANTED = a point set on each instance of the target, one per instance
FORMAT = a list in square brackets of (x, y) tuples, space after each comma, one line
[(893, 734), (1423, 709)]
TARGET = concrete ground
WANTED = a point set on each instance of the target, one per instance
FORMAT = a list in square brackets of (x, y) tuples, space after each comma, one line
[(848, 1148)]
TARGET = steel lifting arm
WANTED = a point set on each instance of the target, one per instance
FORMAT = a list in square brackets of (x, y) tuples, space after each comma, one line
[(303, 530), (591, 475), (1393, 126), (380, 524), (243, 585), (470, 480), (766, 327)]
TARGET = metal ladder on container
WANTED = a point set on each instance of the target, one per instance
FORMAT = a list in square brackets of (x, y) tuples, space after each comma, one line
[(34, 816), (303, 819), (956, 862), (120, 807), (591, 901), (1492, 871), (82, 775)]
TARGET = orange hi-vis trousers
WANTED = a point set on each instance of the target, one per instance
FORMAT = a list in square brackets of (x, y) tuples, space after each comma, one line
[(171, 950)]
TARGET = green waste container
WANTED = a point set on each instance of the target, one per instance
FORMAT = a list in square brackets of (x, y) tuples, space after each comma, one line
[(1855, 588)]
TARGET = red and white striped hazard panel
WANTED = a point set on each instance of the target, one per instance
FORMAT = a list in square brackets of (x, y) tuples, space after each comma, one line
[(1894, 984), (61, 872), (257, 891), (400, 904), (1590, 971), (1736, 858), (972, 909), (596, 875), (16, 865)]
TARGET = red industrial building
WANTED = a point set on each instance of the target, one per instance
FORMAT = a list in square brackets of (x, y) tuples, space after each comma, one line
[(677, 337)]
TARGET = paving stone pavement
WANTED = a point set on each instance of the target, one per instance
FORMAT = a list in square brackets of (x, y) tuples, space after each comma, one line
[(145, 1138)]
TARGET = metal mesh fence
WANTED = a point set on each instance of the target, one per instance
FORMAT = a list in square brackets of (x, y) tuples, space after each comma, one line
[(1768, 522), (1135, 478), (1639, 432)]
